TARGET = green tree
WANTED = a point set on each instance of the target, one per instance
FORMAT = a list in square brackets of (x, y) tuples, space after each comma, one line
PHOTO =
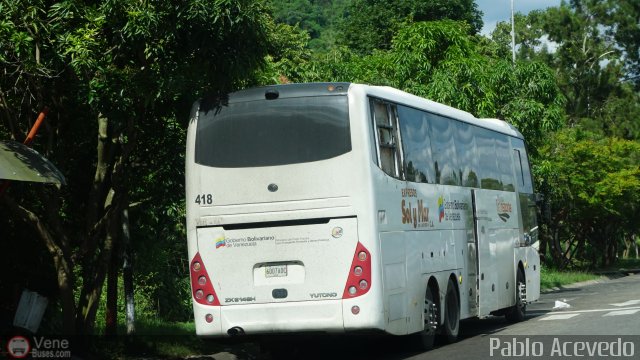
[(529, 37), (592, 184), (579, 41), (592, 47), (621, 18), (372, 24), (319, 18), (126, 71)]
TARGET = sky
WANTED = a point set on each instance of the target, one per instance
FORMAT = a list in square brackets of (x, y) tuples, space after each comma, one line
[(500, 10)]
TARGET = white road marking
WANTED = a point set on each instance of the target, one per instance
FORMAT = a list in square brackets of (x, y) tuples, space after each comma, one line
[(621, 312), (583, 311), (559, 317), (627, 303)]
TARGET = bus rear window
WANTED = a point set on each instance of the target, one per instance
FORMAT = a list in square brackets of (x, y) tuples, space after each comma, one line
[(273, 132)]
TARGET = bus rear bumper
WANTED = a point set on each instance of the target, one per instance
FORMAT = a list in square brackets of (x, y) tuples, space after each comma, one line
[(252, 319)]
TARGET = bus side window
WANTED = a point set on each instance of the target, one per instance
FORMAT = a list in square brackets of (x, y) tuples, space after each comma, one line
[(523, 171), (467, 155), (416, 145), (486, 156), (443, 150), (386, 127), (519, 172), (503, 157)]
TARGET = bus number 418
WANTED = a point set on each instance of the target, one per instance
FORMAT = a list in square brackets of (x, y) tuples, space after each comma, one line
[(204, 199)]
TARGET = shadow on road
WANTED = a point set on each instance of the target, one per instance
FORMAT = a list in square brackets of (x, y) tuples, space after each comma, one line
[(352, 347)]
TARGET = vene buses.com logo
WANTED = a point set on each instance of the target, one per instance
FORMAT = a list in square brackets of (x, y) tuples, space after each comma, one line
[(18, 347), (39, 347)]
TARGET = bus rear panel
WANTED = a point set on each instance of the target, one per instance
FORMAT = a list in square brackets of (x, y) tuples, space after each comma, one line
[(273, 233)]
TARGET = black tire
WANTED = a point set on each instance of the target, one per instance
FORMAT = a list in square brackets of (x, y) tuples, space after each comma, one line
[(518, 311), (451, 325), (424, 339)]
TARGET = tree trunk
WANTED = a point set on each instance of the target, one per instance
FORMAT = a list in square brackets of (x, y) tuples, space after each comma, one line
[(106, 201), (555, 247), (92, 287), (127, 274), (544, 226), (111, 320), (627, 247), (99, 188), (102, 227)]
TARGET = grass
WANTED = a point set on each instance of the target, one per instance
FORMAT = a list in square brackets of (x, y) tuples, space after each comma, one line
[(550, 278), (160, 327), (157, 338)]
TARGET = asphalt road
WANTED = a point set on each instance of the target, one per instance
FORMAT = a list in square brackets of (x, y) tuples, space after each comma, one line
[(601, 312), (602, 316)]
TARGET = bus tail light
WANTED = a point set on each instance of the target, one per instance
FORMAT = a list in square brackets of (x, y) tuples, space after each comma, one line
[(359, 280), (201, 285)]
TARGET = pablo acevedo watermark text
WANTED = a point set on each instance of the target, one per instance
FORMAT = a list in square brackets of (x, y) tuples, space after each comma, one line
[(564, 347), (38, 347)]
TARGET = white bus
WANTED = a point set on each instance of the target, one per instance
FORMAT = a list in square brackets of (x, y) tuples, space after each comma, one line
[(339, 207)]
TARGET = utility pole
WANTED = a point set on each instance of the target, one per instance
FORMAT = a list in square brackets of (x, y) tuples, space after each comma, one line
[(513, 36)]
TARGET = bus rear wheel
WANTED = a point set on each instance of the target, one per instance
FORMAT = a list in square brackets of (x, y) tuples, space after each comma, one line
[(424, 339), (518, 311), (451, 325)]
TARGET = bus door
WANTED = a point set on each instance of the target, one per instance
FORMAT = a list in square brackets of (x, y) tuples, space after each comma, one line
[(472, 262), (487, 273)]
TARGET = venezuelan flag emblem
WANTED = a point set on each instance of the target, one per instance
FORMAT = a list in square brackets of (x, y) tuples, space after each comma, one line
[(220, 242), (440, 208)]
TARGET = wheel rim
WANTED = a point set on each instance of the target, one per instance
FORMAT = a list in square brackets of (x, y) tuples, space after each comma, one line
[(521, 306), (429, 315)]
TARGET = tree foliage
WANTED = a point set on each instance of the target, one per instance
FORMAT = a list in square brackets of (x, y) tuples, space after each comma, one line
[(593, 183), (318, 18), (593, 67), (372, 24), (592, 45), (120, 77)]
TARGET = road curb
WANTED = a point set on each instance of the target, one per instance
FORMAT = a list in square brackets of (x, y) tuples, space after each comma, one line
[(623, 272), (601, 279)]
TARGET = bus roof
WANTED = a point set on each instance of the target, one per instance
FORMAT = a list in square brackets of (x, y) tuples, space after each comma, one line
[(384, 92)]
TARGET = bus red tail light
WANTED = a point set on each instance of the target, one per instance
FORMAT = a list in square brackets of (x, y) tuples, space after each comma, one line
[(359, 280), (201, 286), (208, 318)]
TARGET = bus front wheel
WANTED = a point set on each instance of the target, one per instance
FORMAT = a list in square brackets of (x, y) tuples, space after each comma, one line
[(518, 311)]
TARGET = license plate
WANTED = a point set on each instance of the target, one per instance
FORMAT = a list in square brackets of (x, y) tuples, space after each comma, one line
[(275, 271)]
